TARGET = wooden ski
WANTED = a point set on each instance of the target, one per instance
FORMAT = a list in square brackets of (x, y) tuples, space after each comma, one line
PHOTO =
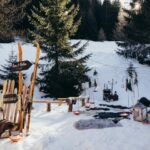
[(20, 89), (32, 88)]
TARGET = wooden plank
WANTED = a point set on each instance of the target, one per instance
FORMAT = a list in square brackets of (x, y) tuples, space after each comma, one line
[(4, 87), (53, 102), (12, 106), (3, 92), (7, 106), (12, 85)]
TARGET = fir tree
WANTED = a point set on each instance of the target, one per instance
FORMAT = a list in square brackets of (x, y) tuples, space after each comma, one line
[(110, 13), (12, 12), (88, 28), (54, 23), (6, 70), (137, 31), (98, 13)]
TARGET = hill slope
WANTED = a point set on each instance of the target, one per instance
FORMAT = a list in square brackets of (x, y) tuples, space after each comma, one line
[(55, 130)]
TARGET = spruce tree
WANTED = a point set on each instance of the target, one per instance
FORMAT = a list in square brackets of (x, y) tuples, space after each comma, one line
[(54, 23), (137, 31), (88, 28), (12, 12), (110, 13), (98, 15), (6, 72)]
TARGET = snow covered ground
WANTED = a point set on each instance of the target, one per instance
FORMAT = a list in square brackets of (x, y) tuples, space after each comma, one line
[(55, 130)]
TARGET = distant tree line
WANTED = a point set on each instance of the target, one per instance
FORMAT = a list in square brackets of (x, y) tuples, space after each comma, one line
[(98, 20)]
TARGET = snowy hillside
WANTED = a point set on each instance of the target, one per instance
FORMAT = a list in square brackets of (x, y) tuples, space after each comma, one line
[(56, 131)]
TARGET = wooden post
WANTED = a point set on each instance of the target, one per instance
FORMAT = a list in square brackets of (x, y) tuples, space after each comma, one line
[(32, 88), (70, 107), (48, 107), (83, 102)]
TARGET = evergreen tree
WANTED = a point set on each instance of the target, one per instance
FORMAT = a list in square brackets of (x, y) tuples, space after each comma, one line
[(98, 13), (54, 23), (6, 71), (110, 13), (137, 31), (88, 28), (12, 12)]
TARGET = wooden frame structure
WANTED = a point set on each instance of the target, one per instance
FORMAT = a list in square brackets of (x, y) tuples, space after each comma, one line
[(16, 112), (60, 101)]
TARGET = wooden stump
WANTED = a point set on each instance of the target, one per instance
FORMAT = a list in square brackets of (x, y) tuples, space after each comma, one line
[(48, 107), (70, 107)]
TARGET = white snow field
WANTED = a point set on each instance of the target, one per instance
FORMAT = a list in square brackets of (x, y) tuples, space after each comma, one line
[(55, 130)]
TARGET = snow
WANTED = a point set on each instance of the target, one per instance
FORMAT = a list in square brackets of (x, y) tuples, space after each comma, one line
[(56, 131)]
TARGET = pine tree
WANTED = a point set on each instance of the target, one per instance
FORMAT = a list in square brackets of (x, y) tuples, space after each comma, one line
[(110, 13), (137, 31), (12, 12), (54, 23), (6, 71), (88, 28), (98, 13)]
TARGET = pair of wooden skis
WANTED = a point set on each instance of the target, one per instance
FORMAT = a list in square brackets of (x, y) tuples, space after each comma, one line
[(27, 91)]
